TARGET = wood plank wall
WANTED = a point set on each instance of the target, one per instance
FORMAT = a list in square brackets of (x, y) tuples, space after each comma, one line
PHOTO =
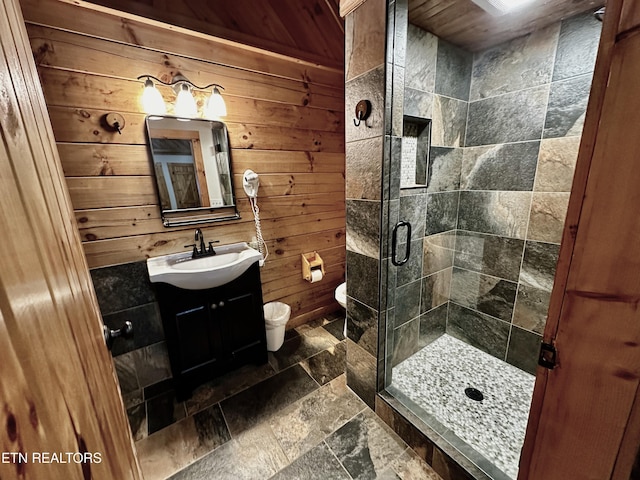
[(285, 121)]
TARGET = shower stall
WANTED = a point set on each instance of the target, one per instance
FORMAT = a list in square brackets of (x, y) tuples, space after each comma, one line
[(479, 150)]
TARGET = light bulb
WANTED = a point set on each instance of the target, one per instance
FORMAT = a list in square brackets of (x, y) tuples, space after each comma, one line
[(215, 107), (185, 103), (152, 101)]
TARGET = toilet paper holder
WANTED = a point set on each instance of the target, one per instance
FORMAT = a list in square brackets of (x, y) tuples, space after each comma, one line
[(310, 262)]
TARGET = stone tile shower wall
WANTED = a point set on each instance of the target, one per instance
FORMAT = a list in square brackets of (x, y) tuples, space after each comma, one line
[(364, 80), (506, 128), (436, 87)]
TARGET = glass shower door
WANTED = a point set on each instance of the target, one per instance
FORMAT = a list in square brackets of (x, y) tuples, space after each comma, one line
[(477, 176)]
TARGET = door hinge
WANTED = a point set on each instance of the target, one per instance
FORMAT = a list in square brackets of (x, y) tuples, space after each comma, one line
[(547, 357)]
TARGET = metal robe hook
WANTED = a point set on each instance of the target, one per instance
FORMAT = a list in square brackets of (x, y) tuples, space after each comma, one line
[(363, 110), (114, 121)]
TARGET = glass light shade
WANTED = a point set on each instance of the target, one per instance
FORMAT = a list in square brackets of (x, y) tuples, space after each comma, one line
[(152, 101), (215, 107), (185, 103), (501, 7)]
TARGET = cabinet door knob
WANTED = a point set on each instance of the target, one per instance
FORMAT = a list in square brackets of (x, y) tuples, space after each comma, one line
[(213, 306), (221, 304)]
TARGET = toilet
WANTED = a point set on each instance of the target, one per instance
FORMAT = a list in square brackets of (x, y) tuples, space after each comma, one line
[(341, 295)]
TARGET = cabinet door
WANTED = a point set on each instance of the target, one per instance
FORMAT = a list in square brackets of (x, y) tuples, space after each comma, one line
[(198, 337), (244, 327)]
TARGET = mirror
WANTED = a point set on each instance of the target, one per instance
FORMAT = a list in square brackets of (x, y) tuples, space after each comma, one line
[(192, 164)]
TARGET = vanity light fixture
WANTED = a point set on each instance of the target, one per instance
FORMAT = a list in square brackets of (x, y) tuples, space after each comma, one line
[(215, 106), (500, 7), (185, 105), (152, 101)]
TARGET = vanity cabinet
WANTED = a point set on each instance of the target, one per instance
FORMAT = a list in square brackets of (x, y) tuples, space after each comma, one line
[(211, 332)]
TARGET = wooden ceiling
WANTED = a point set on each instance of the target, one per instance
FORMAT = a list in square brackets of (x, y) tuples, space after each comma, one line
[(310, 30), (313, 30), (465, 24)]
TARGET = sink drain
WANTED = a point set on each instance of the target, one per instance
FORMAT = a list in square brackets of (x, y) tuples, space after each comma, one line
[(474, 394)]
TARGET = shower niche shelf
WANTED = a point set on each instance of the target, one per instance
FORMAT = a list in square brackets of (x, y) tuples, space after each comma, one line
[(416, 142)]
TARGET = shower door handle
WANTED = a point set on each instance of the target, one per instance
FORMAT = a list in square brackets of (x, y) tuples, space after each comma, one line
[(394, 244)]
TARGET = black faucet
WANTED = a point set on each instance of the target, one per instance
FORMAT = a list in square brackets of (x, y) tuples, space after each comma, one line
[(200, 236), (203, 251)]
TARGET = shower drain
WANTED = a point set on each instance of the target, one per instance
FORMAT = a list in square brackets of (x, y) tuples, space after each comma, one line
[(474, 394)]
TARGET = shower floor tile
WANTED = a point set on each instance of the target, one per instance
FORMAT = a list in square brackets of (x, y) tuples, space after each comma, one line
[(435, 379)]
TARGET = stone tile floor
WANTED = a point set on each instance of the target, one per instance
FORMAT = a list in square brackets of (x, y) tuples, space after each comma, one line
[(294, 418)]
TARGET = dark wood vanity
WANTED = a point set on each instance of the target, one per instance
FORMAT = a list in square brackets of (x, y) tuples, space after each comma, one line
[(211, 332)]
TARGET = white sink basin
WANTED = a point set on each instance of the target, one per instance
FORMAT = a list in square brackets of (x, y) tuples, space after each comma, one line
[(180, 270)]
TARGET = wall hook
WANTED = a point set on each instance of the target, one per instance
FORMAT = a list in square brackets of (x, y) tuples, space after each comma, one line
[(363, 110), (114, 121)]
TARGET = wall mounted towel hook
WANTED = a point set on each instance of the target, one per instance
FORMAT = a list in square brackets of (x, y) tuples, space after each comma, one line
[(363, 110), (113, 121)]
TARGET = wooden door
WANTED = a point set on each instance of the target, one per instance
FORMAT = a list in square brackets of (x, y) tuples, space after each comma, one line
[(183, 180), (585, 417), (195, 151), (163, 190), (58, 388)]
